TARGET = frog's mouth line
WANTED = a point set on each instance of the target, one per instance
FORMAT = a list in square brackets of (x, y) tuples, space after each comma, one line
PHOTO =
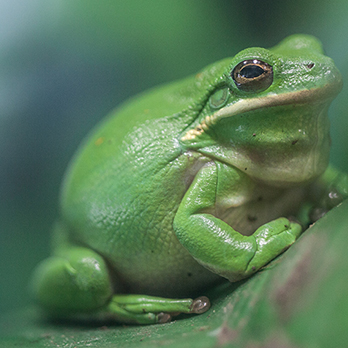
[(272, 100)]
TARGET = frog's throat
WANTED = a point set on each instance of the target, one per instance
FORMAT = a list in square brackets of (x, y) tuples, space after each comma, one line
[(245, 105)]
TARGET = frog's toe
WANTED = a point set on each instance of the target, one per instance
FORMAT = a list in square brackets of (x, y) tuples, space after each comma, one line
[(163, 318), (200, 305)]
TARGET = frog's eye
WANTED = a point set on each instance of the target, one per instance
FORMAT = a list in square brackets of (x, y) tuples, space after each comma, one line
[(219, 98), (252, 75)]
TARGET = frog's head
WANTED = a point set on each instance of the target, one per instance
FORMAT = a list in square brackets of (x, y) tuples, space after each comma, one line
[(266, 113)]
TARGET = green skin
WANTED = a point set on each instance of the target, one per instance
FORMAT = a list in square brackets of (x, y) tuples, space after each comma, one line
[(191, 183)]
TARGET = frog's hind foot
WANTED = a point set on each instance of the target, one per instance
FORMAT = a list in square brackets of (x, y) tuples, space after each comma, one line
[(141, 309)]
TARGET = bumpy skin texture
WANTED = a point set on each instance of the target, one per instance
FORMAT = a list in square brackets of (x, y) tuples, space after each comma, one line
[(194, 181)]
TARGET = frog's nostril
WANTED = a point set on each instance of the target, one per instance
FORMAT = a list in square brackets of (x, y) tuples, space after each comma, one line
[(310, 65)]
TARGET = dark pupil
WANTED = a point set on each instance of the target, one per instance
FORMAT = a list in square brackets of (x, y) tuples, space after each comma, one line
[(251, 71)]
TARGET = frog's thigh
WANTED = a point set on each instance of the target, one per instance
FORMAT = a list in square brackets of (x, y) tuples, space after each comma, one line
[(76, 280), (215, 244)]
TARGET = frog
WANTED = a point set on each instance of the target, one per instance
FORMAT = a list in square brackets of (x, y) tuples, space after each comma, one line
[(193, 183)]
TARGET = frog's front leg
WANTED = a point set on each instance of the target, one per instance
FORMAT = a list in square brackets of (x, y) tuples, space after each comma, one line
[(76, 281), (215, 244)]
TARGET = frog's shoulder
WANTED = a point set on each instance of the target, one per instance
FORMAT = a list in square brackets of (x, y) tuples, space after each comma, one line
[(183, 97)]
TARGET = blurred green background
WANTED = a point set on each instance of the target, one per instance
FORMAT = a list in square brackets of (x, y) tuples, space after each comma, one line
[(65, 64)]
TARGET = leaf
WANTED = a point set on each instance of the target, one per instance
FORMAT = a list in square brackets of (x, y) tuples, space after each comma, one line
[(298, 300)]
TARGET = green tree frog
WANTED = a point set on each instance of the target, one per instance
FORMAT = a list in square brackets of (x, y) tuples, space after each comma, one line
[(207, 178)]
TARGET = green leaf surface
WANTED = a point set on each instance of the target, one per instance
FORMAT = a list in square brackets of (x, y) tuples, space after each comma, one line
[(298, 300)]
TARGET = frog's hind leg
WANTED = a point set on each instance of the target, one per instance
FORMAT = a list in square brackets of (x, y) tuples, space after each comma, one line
[(76, 282)]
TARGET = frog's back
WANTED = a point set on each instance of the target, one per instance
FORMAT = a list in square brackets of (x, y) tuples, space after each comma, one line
[(123, 189)]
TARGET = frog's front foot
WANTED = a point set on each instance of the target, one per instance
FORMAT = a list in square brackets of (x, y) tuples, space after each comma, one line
[(141, 309), (272, 239)]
